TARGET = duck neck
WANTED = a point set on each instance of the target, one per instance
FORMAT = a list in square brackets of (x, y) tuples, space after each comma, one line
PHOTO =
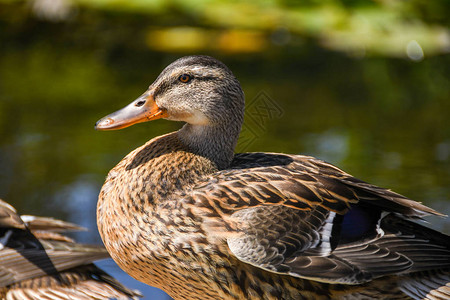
[(216, 143)]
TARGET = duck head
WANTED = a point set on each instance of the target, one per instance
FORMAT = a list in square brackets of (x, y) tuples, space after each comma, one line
[(198, 90)]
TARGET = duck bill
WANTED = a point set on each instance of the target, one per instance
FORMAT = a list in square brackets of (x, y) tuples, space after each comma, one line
[(142, 109)]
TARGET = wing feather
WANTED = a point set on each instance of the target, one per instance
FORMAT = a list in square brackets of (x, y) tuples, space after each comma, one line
[(303, 217)]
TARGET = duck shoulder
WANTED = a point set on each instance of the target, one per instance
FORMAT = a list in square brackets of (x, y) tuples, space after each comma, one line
[(297, 215)]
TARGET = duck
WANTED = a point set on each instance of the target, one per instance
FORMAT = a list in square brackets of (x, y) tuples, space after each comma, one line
[(188, 215), (38, 261)]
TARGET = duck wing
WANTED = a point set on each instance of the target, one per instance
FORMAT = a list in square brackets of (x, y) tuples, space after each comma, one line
[(31, 247), (80, 283), (300, 216), (37, 261), (23, 256)]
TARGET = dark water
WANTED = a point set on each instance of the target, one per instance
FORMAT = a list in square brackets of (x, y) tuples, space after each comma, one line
[(386, 121)]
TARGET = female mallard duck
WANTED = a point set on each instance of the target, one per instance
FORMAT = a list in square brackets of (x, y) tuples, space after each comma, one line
[(38, 262), (187, 215)]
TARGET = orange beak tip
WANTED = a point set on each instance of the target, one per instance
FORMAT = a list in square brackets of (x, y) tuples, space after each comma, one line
[(104, 123)]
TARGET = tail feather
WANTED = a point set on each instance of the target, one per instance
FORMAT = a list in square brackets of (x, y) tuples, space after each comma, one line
[(429, 285)]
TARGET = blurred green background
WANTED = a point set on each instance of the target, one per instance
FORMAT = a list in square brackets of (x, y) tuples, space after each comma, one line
[(364, 85)]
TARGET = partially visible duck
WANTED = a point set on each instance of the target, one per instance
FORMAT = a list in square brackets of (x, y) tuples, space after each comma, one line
[(38, 262), (187, 215)]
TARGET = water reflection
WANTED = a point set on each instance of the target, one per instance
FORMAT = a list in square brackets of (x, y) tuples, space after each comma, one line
[(332, 145), (79, 200)]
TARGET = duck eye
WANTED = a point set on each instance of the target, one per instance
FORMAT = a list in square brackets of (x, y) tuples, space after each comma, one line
[(185, 78)]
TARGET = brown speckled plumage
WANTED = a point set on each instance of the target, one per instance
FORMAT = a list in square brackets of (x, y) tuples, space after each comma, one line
[(38, 262), (181, 214)]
